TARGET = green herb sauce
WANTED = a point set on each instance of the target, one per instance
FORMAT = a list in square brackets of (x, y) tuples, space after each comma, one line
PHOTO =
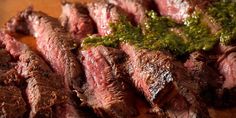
[(156, 34), (225, 14), (198, 34)]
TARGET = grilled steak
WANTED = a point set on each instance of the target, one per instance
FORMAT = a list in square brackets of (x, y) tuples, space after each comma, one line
[(12, 103), (76, 20), (204, 74), (137, 8), (147, 74), (103, 14), (44, 88), (226, 63), (164, 82), (105, 91), (53, 42), (179, 9), (156, 74)]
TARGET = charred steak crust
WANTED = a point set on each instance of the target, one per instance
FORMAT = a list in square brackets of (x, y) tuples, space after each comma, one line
[(75, 19), (10, 77), (145, 71), (105, 90)]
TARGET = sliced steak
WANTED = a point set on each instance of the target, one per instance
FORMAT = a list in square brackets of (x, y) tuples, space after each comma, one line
[(201, 70), (164, 82), (44, 88), (137, 8), (76, 20), (44, 93), (105, 90), (53, 42), (103, 14), (150, 71), (12, 104), (182, 10), (226, 65), (156, 74), (179, 9)]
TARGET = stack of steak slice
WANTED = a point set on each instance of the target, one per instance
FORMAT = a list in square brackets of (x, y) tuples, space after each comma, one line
[(75, 19), (103, 77), (104, 90), (53, 43), (164, 81), (156, 74), (44, 88), (56, 46), (11, 100), (225, 62), (12, 103)]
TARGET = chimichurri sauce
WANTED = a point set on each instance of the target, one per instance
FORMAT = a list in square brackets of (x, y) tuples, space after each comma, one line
[(156, 34), (198, 34), (225, 14)]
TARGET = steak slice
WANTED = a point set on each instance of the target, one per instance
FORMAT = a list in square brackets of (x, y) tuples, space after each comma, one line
[(150, 72), (226, 65), (105, 90), (52, 42), (199, 67), (75, 19), (164, 82), (179, 10), (12, 104), (43, 93), (103, 14), (137, 8)]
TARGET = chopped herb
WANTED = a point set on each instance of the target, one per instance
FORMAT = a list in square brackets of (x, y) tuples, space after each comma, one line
[(225, 14), (156, 33)]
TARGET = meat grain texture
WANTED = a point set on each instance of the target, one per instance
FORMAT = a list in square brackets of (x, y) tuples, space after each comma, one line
[(179, 10), (44, 88), (53, 42), (135, 8), (105, 90), (76, 20)]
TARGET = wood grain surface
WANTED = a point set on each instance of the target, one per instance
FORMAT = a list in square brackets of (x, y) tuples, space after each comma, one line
[(9, 8)]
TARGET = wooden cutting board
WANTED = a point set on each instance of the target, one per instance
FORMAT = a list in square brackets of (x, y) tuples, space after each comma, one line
[(9, 8)]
